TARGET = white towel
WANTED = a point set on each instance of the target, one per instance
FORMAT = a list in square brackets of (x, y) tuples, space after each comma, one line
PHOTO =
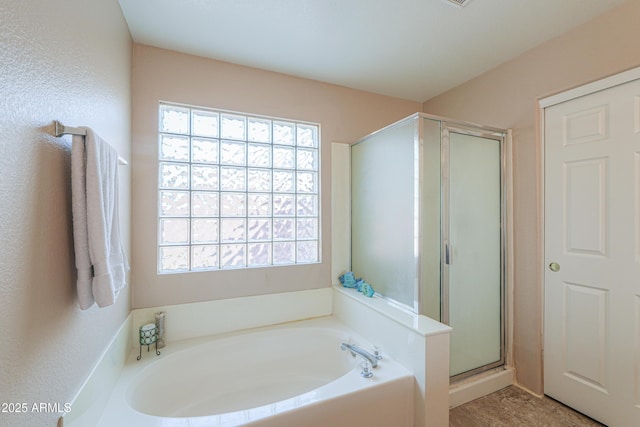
[(80, 233), (100, 259)]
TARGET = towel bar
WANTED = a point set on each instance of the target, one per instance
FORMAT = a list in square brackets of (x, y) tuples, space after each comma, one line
[(59, 129)]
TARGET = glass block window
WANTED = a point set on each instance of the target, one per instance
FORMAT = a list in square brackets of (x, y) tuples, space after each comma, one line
[(236, 190)]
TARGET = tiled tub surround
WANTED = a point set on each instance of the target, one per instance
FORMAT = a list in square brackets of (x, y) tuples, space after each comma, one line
[(410, 343), (286, 375)]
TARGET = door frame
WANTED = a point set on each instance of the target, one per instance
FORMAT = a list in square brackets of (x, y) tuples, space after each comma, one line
[(504, 139), (543, 103)]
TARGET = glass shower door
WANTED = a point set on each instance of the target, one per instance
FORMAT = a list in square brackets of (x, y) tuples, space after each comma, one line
[(472, 251)]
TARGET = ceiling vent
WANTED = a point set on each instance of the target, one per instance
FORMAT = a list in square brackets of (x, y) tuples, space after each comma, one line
[(459, 3)]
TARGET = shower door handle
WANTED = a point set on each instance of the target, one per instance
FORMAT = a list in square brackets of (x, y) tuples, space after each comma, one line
[(447, 254)]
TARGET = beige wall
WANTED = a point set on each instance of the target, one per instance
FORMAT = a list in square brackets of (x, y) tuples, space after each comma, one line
[(344, 115), (507, 97), (68, 60)]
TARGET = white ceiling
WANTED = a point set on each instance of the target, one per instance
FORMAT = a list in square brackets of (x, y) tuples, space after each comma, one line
[(411, 49)]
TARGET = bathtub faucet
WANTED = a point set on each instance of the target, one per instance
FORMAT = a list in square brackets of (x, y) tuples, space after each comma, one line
[(354, 349)]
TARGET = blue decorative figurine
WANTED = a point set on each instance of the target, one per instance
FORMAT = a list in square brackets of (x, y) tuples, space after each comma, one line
[(348, 280)]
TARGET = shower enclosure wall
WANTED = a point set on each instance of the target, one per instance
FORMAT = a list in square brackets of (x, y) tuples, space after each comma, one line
[(427, 229)]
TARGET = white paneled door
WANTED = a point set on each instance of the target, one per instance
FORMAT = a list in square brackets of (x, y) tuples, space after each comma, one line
[(592, 254)]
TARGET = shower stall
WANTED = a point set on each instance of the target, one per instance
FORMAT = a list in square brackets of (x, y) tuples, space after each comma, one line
[(427, 228)]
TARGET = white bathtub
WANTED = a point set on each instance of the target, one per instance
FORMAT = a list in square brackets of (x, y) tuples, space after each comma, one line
[(288, 375)]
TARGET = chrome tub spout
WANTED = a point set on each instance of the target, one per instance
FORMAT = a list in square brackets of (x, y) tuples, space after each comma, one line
[(354, 349)]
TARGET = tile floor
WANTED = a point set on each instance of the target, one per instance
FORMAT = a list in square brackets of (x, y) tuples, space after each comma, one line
[(512, 407)]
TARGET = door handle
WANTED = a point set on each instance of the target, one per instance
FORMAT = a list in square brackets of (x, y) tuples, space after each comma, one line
[(554, 266), (447, 254)]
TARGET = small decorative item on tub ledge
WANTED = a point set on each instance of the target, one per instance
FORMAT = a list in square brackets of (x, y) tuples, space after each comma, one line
[(148, 336), (160, 325), (348, 280)]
